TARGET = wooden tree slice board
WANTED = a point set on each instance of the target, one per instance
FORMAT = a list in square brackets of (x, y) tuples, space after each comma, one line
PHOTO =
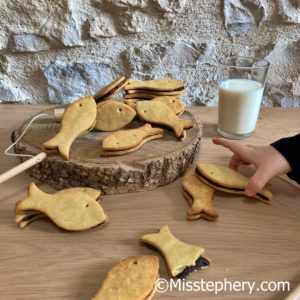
[(157, 163)]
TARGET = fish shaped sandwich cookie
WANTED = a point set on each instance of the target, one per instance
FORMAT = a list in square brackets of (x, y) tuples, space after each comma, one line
[(78, 117), (113, 115), (73, 209), (132, 278), (227, 180), (24, 218), (159, 85), (199, 196), (149, 89), (176, 105), (181, 258), (156, 112), (111, 89), (127, 141)]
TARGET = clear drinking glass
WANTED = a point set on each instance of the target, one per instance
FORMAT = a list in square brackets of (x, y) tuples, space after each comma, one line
[(241, 86)]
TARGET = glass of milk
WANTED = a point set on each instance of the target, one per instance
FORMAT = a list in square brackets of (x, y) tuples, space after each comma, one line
[(241, 86)]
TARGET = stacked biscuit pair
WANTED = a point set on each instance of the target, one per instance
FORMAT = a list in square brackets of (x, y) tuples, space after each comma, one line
[(200, 184), (153, 88), (72, 209), (135, 277)]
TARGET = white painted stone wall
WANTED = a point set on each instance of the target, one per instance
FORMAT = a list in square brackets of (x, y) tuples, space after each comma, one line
[(58, 51)]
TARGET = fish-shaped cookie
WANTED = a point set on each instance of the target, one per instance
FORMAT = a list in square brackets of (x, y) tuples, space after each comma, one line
[(127, 139), (132, 278), (199, 196), (78, 117), (181, 258), (70, 209), (225, 179), (24, 218), (113, 115), (174, 103), (159, 113), (162, 84)]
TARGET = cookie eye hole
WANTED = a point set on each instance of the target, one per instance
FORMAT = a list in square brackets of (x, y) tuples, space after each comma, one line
[(80, 104), (145, 111), (120, 109), (173, 101), (87, 205), (135, 262)]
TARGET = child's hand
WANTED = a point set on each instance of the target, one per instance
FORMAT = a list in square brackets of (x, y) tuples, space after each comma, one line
[(267, 160)]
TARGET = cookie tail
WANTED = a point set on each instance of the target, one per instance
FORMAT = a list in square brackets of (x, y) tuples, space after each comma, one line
[(35, 195), (179, 130), (187, 124), (61, 145), (25, 218)]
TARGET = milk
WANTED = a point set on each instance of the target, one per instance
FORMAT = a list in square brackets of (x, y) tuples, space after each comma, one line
[(239, 103)]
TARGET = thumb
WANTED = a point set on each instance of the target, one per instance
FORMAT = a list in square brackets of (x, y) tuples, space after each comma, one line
[(257, 182)]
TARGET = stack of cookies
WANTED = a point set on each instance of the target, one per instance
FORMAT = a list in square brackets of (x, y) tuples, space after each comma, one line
[(200, 184), (149, 89), (103, 113)]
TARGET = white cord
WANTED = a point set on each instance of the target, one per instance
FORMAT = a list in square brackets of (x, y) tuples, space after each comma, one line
[(6, 152)]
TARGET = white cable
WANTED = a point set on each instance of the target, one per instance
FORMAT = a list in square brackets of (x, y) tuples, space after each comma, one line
[(6, 152)]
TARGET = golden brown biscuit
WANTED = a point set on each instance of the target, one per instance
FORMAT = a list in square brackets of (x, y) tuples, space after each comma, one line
[(70, 209), (132, 278), (130, 150), (174, 103), (199, 196), (111, 89), (181, 258), (158, 93), (24, 218), (78, 117), (113, 115), (140, 96), (159, 113), (227, 180), (163, 84), (127, 139)]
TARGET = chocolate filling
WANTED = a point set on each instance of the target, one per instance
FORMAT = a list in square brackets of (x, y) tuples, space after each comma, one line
[(162, 90), (263, 197), (28, 218), (112, 90), (201, 262)]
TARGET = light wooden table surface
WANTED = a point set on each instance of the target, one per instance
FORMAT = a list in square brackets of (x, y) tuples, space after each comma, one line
[(251, 241)]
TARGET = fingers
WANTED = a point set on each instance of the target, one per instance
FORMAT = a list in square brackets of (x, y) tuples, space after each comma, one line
[(235, 162), (257, 182), (235, 147)]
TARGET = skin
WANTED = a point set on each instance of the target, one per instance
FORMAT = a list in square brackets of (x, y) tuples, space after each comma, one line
[(267, 160)]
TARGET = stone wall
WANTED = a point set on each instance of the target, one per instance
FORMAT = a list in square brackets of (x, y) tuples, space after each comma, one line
[(58, 51)]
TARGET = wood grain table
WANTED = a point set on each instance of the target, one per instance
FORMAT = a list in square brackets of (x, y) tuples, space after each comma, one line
[(251, 241)]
